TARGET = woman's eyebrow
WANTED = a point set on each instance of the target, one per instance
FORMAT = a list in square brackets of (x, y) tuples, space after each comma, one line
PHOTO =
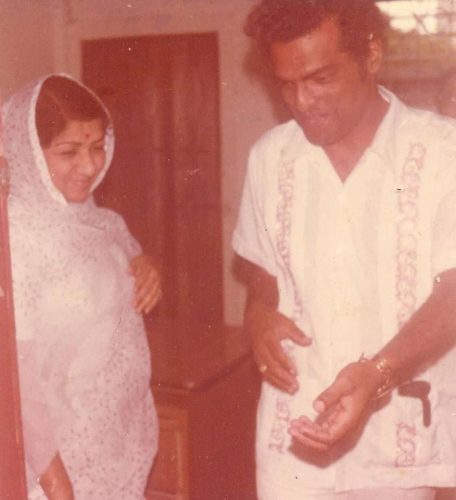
[(76, 143)]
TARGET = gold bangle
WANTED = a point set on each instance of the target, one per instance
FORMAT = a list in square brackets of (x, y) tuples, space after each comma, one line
[(382, 365)]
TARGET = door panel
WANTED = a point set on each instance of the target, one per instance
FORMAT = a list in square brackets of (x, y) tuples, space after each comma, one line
[(163, 93)]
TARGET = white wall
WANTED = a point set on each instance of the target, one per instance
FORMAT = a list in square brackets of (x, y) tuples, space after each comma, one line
[(47, 36), (26, 42)]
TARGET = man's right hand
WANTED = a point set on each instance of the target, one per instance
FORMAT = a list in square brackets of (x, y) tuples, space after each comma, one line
[(267, 328)]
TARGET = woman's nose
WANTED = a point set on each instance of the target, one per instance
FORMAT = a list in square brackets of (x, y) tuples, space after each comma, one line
[(88, 165)]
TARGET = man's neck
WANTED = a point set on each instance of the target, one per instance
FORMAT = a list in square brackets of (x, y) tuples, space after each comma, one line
[(345, 154)]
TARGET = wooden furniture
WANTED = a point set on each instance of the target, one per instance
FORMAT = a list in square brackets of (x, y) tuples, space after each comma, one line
[(206, 390)]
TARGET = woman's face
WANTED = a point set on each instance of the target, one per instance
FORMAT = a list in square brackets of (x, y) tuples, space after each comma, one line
[(75, 157)]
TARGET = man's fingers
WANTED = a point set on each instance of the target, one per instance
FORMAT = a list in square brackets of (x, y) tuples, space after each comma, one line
[(332, 395), (284, 360), (282, 380), (274, 372), (297, 336), (268, 330), (316, 436), (301, 422), (280, 371), (288, 330), (306, 439), (325, 432)]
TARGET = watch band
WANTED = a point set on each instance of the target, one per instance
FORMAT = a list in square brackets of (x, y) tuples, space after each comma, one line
[(382, 365)]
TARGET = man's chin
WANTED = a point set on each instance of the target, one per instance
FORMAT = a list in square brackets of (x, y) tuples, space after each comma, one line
[(320, 136), (319, 139)]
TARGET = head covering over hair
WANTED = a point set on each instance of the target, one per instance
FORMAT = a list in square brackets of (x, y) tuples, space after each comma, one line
[(30, 179)]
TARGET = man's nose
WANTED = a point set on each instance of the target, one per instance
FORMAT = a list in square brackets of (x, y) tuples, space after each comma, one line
[(304, 97)]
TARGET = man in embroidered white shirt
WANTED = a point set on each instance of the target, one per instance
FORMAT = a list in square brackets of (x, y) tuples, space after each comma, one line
[(347, 229)]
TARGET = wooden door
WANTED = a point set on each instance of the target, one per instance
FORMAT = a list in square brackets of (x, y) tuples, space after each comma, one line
[(163, 94)]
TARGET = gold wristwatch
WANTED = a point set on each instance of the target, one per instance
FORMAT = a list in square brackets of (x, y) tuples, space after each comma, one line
[(382, 365)]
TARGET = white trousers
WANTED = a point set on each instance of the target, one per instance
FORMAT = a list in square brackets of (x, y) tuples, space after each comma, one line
[(374, 494), (381, 494)]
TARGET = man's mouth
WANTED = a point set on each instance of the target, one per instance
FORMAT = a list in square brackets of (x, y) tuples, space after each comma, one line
[(315, 118)]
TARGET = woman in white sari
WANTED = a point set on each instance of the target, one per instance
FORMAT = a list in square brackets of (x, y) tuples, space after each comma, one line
[(90, 426)]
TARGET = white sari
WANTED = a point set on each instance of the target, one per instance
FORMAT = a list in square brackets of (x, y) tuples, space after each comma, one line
[(83, 356)]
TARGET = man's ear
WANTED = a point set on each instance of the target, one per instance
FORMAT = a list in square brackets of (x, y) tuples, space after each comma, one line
[(375, 57)]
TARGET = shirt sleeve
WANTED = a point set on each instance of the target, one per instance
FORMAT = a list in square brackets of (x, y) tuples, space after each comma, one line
[(252, 238), (444, 225)]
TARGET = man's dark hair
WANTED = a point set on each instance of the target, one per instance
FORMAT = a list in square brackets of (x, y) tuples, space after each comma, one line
[(360, 21)]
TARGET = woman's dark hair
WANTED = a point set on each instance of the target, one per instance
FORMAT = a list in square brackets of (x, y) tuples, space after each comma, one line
[(61, 100), (360, 22)]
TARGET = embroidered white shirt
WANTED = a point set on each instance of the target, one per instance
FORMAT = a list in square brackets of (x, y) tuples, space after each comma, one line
[(353, 261)]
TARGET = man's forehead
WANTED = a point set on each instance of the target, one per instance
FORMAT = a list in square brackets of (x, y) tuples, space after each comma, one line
[(326, 33), (319, 44)]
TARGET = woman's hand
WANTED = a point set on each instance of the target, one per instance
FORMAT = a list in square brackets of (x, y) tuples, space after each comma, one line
[(55, 481), (148, 290)]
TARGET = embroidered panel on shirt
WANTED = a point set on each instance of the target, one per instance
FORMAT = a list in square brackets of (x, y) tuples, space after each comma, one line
[(406, 275), (406, 445), (286, 179)]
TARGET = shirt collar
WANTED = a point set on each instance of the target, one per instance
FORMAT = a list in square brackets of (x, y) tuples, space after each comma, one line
[(383, 145)]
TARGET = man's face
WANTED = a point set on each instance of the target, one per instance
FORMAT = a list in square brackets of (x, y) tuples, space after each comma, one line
[(325, 88)]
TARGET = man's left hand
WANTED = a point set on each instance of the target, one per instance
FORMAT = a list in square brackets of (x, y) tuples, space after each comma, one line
[(341, 407), (148, 290)]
